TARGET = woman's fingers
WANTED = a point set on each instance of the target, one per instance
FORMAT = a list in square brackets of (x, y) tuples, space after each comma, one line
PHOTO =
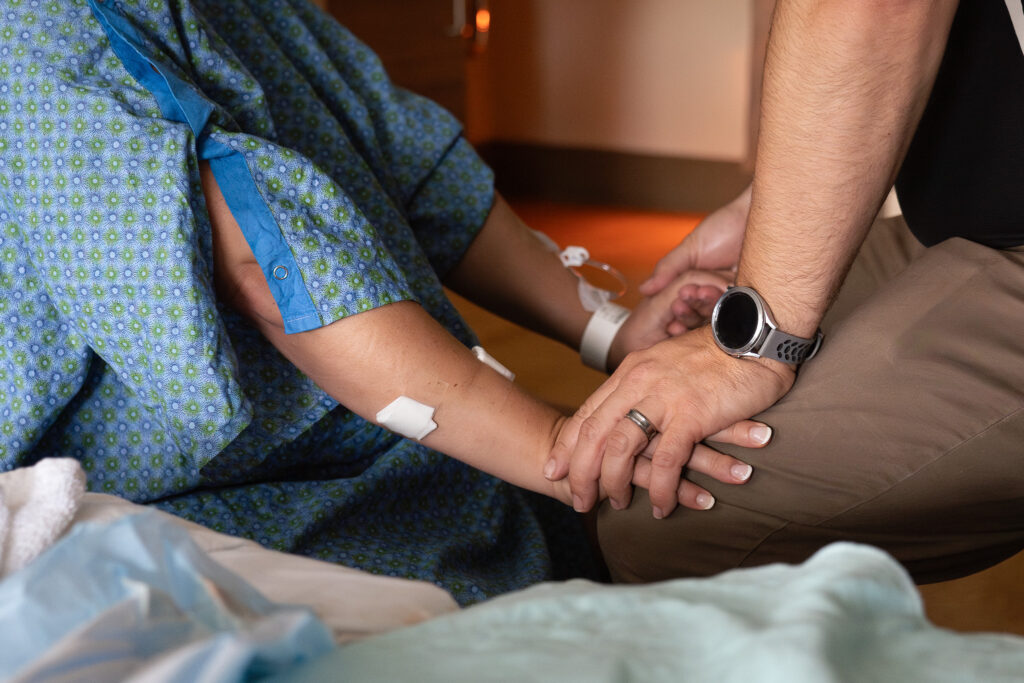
[(705, 460), (719, 466), (745, 433), (694, 497), (574, 450)]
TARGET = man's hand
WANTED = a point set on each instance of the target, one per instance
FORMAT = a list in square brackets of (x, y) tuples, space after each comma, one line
[(719, 466), (689, 389)]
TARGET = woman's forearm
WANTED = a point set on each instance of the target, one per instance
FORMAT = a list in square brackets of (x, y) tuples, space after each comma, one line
[(484, 420), (368, 360), (510, 272)]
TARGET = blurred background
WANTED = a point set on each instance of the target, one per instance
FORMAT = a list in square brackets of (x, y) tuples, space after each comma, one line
[(645, 104)]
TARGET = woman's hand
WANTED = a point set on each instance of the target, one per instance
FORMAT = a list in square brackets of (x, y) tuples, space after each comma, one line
[(713, 245), (655, 318)]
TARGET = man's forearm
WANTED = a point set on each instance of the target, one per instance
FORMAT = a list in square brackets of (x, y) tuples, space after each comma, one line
[(845, 84)]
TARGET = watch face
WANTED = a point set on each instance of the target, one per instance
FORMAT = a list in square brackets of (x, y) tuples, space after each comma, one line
[(736, 320)]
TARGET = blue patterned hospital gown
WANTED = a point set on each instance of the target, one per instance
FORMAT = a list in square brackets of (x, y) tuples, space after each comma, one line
[(113, 346)]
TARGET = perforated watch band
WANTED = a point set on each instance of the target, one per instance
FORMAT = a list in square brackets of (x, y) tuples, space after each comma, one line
[(789, 349)]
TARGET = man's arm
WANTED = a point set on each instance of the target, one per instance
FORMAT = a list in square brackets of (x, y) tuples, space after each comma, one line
[(845, 84)]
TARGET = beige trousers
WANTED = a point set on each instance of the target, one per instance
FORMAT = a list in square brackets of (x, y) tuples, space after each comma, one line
[(905, 432)]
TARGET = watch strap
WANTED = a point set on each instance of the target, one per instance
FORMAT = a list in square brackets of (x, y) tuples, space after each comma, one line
[(788, 348)]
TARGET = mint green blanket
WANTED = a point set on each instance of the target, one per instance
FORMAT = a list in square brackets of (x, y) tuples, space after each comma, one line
[(850, 613)]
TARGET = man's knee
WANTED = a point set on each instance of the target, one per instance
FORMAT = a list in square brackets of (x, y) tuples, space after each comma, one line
[(638, 548)]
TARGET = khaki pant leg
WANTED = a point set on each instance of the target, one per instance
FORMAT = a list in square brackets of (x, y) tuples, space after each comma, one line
[(906, 432)]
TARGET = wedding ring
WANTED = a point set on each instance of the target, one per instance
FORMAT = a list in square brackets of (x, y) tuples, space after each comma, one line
[(641, 421)]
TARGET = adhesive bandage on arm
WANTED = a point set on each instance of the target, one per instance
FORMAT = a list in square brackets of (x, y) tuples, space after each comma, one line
[(491, 361), (414, 420), (408, 417), (599, 334)]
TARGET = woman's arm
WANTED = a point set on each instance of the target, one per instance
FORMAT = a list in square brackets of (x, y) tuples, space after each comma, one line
[(511, 273), (368, 360)]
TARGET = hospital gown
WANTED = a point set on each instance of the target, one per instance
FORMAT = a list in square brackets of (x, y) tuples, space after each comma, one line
[(113, 346)]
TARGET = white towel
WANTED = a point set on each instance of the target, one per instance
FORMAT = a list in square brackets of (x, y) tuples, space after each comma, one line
[(36, 505)]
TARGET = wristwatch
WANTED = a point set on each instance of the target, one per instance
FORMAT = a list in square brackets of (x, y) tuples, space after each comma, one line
[(742, 326)]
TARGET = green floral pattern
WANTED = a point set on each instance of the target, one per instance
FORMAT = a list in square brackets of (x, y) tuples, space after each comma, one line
[(113, 347)]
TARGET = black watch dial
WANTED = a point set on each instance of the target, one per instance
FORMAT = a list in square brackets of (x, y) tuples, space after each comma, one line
[(737, 320)]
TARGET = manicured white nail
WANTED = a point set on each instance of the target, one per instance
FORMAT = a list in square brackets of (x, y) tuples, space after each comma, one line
[(705, 500), (658, 513), (549, 469), (762, 434), (577, 504), (616, 505), (741, 471)]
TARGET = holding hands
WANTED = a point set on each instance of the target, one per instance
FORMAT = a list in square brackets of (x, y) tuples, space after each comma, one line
[(714, 245), (690, 391), (647, 421)]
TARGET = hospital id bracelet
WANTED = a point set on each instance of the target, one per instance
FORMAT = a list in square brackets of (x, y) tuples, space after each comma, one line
[(599, 334)]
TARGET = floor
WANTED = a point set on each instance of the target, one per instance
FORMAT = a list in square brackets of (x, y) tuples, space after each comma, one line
[(633, 241)]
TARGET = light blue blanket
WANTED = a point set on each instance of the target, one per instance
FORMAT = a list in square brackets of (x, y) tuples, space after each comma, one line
[(136, 598), (850, 613)]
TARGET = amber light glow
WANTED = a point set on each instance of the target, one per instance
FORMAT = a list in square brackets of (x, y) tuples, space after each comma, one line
[(483, 20)]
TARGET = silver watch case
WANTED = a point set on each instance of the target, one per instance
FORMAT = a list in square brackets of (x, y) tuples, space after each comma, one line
[(767, 340)]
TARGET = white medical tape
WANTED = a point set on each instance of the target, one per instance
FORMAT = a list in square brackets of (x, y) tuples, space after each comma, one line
[(573, 257), (592, 298), (408, 417), (599, 334), (488, 359)]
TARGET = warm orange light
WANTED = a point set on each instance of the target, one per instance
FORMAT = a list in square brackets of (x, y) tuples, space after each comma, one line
[(483, 20)]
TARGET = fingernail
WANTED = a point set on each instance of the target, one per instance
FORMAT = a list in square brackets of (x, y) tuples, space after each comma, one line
[(741, 471), (616, 505), (658, 513), (645, 282), (762, 434), (549, 468), (577, 504), (705, 500)]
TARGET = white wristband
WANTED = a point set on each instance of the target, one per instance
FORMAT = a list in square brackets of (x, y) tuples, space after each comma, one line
[(598, 336)]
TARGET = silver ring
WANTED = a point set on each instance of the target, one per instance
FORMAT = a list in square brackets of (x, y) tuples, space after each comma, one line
[(641, 421)]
